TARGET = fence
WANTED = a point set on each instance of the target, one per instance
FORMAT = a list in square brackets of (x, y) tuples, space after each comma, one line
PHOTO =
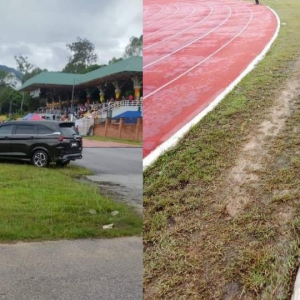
[(108, 107), (120, 130)]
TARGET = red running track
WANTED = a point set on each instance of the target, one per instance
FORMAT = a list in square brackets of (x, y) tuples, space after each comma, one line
[(192, 51)]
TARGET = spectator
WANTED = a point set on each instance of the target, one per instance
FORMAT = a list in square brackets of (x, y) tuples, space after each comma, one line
[(64, 118)]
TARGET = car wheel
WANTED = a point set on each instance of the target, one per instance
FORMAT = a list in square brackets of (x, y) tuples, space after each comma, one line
[(40, 159)]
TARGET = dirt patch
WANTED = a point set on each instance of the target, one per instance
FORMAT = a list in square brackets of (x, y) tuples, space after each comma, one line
[(255, 152), (116, 192), (233, 291)]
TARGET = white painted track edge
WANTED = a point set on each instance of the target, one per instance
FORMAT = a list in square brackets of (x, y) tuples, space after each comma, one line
[(173, 140)]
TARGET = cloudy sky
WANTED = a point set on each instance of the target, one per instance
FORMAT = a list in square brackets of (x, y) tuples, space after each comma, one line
[(40, 29)]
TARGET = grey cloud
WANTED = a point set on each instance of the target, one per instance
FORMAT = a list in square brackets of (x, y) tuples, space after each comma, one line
[(16, 50), (41, 24)]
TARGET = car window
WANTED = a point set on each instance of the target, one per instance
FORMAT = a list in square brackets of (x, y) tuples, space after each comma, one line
[(68, 129), (6, 129), (25, 129), (44, 130)]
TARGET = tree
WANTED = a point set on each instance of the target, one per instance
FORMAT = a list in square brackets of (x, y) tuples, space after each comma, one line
[(29, 71), (13, 101), (92, 68), (3, 76), (5, 89), (135, 47), (23, 65), (83, 55), (114, 60)]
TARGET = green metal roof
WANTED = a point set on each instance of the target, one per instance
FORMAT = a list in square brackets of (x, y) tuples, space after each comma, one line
[(132, 64), (55, 78)]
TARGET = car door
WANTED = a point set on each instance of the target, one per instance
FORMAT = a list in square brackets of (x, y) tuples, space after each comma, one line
[(5, 139), (47, 137), (22, 140)]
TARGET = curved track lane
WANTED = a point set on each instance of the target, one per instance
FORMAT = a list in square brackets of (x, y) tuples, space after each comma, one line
[(192, 52)]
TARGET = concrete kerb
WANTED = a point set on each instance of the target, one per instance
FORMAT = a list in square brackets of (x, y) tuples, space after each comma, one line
[(296, 292), (173, 140)]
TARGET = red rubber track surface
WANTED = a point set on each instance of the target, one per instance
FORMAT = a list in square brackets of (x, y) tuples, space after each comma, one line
[(192, 51)]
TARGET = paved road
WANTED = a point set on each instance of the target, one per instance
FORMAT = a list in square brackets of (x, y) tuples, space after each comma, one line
[(118, 171), (72, 270)]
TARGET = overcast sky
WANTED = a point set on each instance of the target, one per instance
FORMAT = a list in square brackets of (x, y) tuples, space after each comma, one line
[(40, 29)]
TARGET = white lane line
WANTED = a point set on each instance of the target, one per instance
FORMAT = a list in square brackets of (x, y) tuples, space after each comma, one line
[(190, 43), (172, 141), (147, 35), (180, 32), (195, 66), (165, 17), (161, 9)]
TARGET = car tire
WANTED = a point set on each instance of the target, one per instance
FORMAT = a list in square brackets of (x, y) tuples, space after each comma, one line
[(40, 159)]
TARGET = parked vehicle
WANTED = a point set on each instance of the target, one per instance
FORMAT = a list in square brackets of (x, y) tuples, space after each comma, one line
[(51, 117), (40, 142)]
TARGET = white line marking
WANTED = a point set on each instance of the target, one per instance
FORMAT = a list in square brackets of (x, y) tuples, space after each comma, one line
[(162, 8), (192, 42), (147, 35), (198, 64), (171, 142), (165, 17), (211, 11)]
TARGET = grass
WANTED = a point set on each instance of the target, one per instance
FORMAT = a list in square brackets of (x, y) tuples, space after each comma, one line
[(192, 248), (50, 204), (106, 139)]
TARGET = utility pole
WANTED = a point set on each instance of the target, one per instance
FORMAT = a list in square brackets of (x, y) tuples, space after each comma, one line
[(72, 95), (22, 100), (10, 104)]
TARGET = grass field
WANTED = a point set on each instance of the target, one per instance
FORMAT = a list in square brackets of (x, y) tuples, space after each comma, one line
[(106, 139), (49, 204), (222, 209)]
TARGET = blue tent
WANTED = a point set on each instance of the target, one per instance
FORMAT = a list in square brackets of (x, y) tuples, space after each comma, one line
[(28, 117)]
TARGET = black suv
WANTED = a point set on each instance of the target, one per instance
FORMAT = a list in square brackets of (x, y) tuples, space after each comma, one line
[(40, 142)]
